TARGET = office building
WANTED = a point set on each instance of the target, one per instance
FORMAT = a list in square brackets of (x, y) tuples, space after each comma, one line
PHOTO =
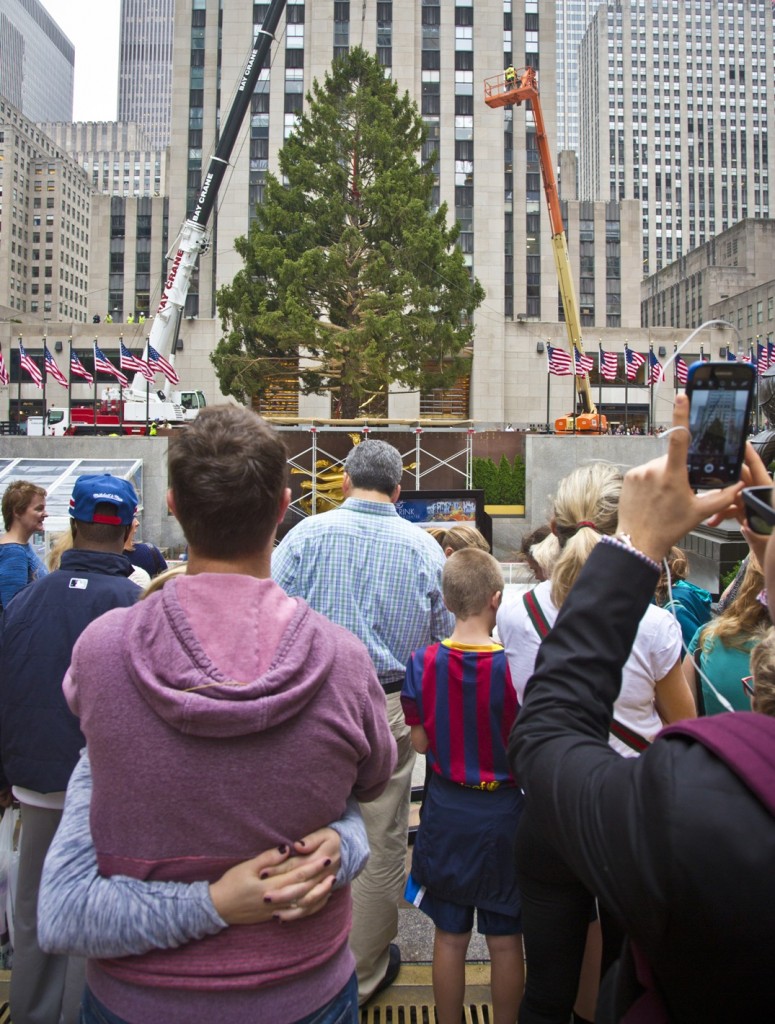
[(45, 214), (730, 278), (676, 109), (573, 17), (37, 62), (118, 157), (487, 169), (145, 66)]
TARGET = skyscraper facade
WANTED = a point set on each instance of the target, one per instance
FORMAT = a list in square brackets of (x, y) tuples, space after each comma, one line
[(487, 167), (145, 66), (573, 17), (37, 62), (676, 111)]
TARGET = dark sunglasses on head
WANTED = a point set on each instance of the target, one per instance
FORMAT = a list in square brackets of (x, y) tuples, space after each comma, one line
[(759, 513)]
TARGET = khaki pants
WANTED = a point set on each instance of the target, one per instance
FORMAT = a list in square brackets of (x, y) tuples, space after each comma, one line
[(378, 889), (45, 988)]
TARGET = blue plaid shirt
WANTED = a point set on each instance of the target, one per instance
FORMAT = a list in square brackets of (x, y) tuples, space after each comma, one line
[(372, 572)]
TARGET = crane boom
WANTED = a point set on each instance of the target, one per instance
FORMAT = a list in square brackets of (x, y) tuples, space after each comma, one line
[(193, 238), (513, 90)]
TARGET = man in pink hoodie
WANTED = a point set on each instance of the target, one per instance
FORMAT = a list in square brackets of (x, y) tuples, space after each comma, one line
[(223, 717)]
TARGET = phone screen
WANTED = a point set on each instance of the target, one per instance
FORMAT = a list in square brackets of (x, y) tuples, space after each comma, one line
[(720, 404)]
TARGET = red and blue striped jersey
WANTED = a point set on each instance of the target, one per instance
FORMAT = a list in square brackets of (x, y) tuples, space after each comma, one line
[(465, 700)]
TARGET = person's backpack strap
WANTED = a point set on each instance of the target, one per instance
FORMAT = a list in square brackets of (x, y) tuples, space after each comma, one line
[(541, 625), (697, 657), (536, 615), (632, 739)]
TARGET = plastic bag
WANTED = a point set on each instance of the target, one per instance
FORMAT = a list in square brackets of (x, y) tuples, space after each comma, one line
[(9, 872)]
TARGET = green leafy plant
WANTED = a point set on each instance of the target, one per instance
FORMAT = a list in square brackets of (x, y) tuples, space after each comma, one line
[(504, 483)]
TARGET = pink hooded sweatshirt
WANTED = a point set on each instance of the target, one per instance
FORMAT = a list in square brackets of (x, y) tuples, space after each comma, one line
[(224, 718)]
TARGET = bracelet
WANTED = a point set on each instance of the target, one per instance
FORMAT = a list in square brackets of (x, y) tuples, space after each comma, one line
[(624, 541)]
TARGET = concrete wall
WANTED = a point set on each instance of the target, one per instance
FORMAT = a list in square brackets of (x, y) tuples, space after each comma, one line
[(157, 525), (550, 458)]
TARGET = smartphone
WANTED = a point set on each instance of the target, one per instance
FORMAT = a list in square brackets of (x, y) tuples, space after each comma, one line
[(720, 397)]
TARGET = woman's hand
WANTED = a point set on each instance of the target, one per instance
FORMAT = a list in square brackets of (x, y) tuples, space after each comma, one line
[(658, 506), (280, 884), (754, 474)]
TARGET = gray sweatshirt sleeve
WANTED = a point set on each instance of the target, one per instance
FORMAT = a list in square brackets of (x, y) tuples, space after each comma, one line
[(354, 851), (80, 912), (83, 913)]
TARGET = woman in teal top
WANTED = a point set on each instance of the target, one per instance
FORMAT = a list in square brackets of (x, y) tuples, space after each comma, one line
[(724, 647)]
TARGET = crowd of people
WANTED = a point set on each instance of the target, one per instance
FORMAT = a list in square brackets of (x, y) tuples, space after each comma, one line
[(214, 769)]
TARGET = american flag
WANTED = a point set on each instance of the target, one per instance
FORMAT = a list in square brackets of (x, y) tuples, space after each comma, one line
[(632, 360), (584, 365), (4, 378), (560, 361), (52, 370), (656, 370), (29, 364), (770, 353), (731, 357), (79, 370), (762, 360), (681, 370), (102, 365), (157, 362), (609, 365), (130, 362)]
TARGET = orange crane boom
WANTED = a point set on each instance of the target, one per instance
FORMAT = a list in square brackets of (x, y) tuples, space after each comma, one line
[(513, 88)]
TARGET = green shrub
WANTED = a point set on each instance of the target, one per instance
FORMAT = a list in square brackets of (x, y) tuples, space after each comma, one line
[(503, 484)]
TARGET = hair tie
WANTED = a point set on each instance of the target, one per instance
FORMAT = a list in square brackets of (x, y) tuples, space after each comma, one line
[(585, 522)]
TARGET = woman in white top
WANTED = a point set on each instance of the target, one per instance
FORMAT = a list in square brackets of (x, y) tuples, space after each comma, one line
[(654, 692)]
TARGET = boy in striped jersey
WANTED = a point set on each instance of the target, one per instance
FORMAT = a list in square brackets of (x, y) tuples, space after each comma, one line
[(460, 703)]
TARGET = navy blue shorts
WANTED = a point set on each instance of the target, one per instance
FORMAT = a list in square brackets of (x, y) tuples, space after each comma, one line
[(458, 920)]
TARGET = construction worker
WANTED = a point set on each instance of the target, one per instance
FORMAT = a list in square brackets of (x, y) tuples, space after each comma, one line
[(510, 75), (108, 318), (141, 318), (131, 318)]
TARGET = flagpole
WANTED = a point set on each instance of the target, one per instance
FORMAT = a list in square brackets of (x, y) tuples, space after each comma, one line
[(19, 392), (147, 405), (626, 390), (120, 386), (94, 357), (599, 386), (573, 373), (45, 382), (70, 379), (651, 385)]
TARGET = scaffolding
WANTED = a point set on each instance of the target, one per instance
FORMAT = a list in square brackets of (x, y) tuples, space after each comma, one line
[(316, 460)]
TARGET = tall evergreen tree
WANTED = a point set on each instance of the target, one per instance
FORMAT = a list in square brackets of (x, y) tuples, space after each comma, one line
[(349, 277)]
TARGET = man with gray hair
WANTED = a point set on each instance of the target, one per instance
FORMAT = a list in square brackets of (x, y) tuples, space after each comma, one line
[(367, 569)]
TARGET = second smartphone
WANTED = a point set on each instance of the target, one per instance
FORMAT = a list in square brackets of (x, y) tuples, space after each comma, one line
[(720, 397)]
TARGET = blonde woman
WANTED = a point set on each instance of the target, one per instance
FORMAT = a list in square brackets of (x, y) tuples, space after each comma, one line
[(723, 647), (556, 907)]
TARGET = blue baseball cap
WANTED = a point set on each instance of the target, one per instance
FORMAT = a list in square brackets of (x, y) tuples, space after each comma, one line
[(98, 489)]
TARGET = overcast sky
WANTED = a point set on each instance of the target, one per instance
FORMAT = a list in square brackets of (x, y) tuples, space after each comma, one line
[(93, 30)]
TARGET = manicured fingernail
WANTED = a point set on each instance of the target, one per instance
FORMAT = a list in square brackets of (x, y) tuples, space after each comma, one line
[(283, 848), (326, 862), (267, 899), (264, 874)]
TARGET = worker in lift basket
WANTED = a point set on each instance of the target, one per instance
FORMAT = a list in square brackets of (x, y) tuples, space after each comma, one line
[(511, 77)]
